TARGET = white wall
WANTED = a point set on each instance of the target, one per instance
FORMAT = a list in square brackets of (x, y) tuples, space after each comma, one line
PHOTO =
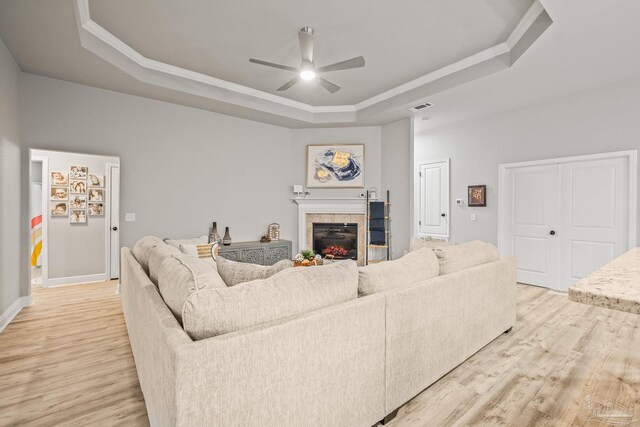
[(396, 177), (601, 120), (10, 201), (74, 249)]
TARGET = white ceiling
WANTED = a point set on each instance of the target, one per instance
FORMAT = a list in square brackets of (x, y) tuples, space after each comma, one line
[(590, 43), (399, 41)]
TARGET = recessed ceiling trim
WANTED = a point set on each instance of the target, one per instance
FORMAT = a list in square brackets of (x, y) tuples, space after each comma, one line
[(107, 46)]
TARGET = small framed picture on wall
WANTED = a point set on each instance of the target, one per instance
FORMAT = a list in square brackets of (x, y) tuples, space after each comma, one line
[(96, 180), (59, 209), (59, 178), (78, 172), (96, 195), (477, 196), (59, 193), (78, 216), (78, 187), (96, 209)]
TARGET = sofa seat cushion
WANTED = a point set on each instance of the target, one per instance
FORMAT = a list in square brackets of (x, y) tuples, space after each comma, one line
[(181, 275), (156, 257), (466, 255), (414, 267), (291, 292), (418, 243), (233, 272), (142, 249), (195, 241)]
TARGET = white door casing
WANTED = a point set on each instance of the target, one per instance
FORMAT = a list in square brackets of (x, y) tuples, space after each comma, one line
[(532, 215), (594, 216), (113, 222), (432, 210)]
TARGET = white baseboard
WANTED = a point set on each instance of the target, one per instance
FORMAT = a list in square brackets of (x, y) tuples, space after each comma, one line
[(13, 310), (76, 280)]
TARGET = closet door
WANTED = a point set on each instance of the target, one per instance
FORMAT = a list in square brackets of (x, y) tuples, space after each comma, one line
[(433, 204), (531, 221), (594, 216)]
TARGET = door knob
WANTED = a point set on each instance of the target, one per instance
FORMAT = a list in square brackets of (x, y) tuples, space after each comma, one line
[(552, 232), (115, 228), (443, 215)]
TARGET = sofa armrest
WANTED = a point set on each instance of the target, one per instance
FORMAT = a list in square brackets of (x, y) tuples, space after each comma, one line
[(436, 325), (322, 368)]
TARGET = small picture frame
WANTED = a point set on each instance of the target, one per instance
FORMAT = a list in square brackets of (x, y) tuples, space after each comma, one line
[(78, 187), (477, 196), (59, 209), (59, 178), (96, 180), (78, 172), (59, 193), (78, 216), (96, 209), (78, 201), (96, 195)]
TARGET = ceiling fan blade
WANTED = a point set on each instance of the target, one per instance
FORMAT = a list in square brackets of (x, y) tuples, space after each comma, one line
[(328, 85), (344, 65), (290, 83), (306, 45), (271, 64)]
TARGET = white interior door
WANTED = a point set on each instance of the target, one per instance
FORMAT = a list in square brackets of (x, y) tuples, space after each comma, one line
[(595, 209), (433, 206), (113, 268), (531, 221)]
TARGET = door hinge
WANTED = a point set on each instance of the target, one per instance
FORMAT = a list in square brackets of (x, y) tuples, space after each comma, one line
[(419, 222), (420, 174)]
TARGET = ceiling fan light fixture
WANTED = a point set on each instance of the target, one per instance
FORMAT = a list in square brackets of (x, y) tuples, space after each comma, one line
[(307, 75)]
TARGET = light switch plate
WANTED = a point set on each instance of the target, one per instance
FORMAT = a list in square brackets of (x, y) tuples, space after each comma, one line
[(474, 217), (130, 217)]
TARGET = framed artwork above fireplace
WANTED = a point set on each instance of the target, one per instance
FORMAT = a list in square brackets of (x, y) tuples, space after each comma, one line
[(335, 166)]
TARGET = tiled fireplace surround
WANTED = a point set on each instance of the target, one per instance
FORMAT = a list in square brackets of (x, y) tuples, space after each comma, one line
[(335, 211)]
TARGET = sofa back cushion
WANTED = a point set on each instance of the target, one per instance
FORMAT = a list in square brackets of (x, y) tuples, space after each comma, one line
[(428, 242), (291, 292), (142, 249), (414, 267), (181, 275), (466, 255), (156, 257), (233, 272), (195, 241)]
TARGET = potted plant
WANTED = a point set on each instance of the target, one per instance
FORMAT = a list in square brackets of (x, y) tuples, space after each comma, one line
[(307, 257)]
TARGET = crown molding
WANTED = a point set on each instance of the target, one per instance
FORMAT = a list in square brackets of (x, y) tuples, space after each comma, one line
[(107, 46)]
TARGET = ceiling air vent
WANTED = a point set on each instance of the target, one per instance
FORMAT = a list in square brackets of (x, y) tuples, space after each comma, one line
[(421, 106)]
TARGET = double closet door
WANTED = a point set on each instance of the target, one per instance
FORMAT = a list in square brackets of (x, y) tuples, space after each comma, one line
[(564, 220)]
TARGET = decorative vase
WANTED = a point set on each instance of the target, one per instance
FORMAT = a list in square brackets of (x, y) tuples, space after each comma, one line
[(226, 240), (213, 234)]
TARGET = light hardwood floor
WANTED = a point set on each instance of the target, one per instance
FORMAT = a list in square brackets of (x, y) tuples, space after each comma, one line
[(67, 361)]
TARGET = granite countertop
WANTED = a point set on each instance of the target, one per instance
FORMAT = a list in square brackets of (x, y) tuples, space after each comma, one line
[(615, 286)]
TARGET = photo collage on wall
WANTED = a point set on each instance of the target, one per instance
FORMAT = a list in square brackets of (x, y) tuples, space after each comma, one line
[(76, 194)]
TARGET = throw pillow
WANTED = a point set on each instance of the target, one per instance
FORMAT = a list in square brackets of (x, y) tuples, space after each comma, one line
[(465, 255), (201, 251), (428, 242), (233, 272), (415, 267), (291, 292), (181, 275)]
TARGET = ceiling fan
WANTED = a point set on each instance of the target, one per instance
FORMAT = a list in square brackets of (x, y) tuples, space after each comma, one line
[(307, 69)]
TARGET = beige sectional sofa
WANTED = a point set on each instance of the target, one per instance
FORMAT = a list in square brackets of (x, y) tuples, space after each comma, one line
[(347, 363)]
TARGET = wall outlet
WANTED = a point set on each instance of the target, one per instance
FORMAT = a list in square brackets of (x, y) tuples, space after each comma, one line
[(474, 216), (130, 217)]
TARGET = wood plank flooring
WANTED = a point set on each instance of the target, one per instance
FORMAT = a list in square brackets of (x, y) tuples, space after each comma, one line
[(67, 361)]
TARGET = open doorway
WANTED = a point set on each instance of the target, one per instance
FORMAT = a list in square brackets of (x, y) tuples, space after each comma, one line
[(74, 217)]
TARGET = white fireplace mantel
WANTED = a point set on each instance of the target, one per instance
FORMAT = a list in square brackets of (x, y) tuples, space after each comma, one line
[(328, 206)]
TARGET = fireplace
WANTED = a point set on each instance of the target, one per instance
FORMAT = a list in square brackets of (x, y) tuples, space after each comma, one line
[(337, 239)]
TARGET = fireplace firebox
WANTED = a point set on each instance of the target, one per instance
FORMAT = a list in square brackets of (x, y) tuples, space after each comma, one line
[(337, 239)]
